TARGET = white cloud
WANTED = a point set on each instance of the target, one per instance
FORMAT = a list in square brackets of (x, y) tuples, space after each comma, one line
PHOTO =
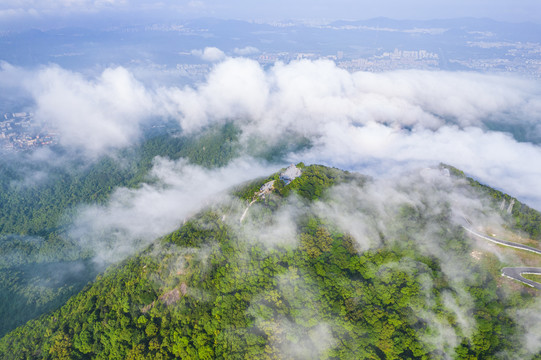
[(377, 123), (135, 217), (494, 157), (380, 123), (245, 51), (235, 89), (210, 54), (94, 115)]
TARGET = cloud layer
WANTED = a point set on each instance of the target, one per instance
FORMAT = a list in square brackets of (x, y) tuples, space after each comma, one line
[(135, 217), (90, 114), (95, 114), (377, 123), (381, 124)]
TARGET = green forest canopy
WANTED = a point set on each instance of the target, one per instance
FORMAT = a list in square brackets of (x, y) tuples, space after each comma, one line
[(206, 291)]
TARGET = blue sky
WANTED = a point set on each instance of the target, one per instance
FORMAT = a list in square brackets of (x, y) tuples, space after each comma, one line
[(36, 13)]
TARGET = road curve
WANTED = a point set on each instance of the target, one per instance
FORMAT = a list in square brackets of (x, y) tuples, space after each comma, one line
[(504, 242), (514, 273)]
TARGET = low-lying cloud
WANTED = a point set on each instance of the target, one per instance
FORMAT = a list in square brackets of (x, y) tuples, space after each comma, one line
[(377, 123), (92, 115), (135, 217), (96, 114), (421, 210), (381, 124), (210, 54)]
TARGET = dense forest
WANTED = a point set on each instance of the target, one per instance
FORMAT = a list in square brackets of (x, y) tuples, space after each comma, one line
[(37, 212), (220, 288)]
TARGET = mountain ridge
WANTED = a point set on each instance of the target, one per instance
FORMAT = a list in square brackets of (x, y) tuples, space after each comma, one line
[(291, 282)]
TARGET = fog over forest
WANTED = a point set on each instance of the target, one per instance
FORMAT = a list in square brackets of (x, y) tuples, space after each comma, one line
[(174, 183), (376, 123)]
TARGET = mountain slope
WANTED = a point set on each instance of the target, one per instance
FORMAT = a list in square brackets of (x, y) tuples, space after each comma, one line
[(331, 265), (41, 266)]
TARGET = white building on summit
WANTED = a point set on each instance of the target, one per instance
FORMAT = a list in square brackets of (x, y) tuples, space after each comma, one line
[(291, 173)]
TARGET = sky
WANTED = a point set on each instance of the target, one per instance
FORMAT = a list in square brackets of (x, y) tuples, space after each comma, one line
[(46, 14)]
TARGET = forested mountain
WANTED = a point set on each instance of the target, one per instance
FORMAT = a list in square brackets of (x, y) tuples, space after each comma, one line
[(330, 265), (211, 180), (40, 266)]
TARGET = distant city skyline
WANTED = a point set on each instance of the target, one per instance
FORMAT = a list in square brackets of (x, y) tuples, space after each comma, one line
[(21, 14)]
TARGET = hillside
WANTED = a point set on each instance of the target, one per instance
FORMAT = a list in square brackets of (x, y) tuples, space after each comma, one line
[(331, 265), (41, 266)]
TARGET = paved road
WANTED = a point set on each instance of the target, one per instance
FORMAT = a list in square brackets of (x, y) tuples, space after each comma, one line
[(503, 242), (514, 273)]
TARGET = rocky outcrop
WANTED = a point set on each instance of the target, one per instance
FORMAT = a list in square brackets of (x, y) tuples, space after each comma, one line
[(291, 173), (169, 298)]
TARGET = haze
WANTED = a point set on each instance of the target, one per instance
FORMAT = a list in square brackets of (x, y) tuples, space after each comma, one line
[(29, 13), (121, 120)]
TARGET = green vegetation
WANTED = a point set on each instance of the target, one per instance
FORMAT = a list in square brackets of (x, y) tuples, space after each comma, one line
[(210, 291), (39, 208), (311, 185), (533, 277), (523, 217), (315, 180), (37, 211)]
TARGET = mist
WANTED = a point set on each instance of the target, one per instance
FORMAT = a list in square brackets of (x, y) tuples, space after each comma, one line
[(393, 126), (380, 124), (422, 210), (175, 191)]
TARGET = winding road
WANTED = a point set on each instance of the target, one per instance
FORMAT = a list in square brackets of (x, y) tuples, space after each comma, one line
[(514, 273)]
